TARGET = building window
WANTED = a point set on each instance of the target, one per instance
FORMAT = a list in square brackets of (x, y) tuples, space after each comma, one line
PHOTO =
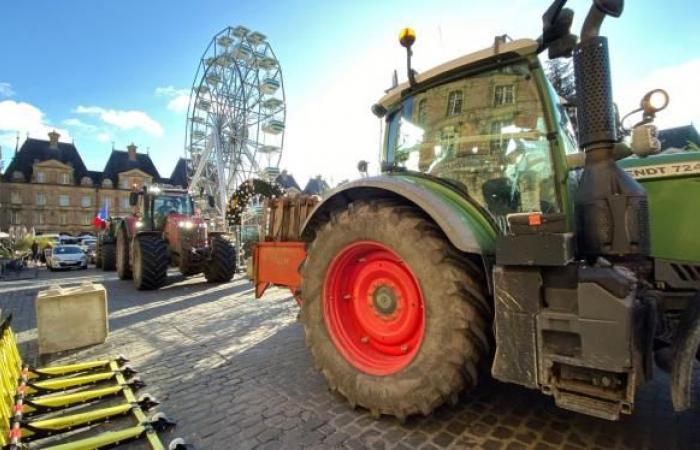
[(40, 177), (86, 219), (504, 95), (107, 183), (107, 202), (86, 181), (39, 218), (124, 183), (17, 176), (15, 217), (499, 140), (448, 140), (40, 199), (15, 197), (454, 103), (125, 203), (63, 218), (86, 201), (63, 200), (423, 111)]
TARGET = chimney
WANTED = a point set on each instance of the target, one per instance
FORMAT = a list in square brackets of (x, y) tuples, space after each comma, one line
[(132, 151), (53, 139)]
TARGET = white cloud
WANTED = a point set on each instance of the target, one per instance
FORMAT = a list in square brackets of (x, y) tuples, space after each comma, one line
[(23, 118), (77, 123), (6, 90), (680, 82), (125, 120), (103, 137), (179, 99)]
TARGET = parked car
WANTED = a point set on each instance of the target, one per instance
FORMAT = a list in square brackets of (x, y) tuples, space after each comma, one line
[(67, 257)]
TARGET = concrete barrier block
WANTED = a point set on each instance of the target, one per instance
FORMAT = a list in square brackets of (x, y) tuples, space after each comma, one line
[(71, 317)]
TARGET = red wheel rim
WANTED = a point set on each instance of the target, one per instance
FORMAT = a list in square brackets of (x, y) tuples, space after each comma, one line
[(373, 308)]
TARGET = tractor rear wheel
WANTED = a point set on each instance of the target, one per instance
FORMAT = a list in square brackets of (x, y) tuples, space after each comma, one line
[(222, 263), (108, 257), (123, 267), (150, 262), (395, 317), (98, 256)]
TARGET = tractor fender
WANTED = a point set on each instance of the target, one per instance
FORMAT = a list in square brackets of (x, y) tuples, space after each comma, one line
[(465, 223)]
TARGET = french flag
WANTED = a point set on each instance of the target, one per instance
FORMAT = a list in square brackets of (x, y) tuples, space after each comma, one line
[(100, 220)]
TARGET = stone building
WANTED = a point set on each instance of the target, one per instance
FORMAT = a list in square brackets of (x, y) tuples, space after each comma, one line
[(47, 187)]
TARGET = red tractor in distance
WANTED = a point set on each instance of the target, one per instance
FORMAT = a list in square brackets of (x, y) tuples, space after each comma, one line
[(163, 231)]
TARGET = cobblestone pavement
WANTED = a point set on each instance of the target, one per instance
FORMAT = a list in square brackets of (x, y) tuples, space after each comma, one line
[(235, 373)]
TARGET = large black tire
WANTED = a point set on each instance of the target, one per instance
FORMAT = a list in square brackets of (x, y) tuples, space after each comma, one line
[(98, 255), (122, 259), (150, 262), (222, 264), (456, 338), (109, 257)]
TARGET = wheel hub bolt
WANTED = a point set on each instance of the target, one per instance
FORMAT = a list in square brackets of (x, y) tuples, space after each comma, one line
[(404, 348), (365, 339)]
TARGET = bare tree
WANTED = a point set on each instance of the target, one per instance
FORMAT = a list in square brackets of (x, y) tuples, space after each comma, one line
[(560, 73)]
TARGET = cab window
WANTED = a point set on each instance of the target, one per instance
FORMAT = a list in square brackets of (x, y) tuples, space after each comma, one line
[(486, 132)]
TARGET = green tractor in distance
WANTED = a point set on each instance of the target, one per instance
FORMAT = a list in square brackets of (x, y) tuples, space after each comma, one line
[(106, 250), (165, 231), (494, 241)]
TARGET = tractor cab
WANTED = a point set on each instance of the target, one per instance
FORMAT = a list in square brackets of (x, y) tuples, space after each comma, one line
[(156, 208), (491, 132)]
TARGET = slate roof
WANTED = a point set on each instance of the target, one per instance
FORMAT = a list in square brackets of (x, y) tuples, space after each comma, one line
[(37, 150), (119, 162), (316, 186), (96, 176), (679, 137), (287, 181), (179, 175)]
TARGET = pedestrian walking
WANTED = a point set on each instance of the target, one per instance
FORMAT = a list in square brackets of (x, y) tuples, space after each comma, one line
[(35, 253)]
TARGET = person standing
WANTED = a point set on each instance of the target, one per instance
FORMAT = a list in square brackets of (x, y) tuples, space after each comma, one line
[(35, 253)]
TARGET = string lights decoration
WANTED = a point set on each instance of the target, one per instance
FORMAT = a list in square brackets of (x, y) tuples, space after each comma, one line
[(242, 196)]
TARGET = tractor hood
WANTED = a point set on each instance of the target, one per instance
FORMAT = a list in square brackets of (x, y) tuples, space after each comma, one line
[(672, 182)]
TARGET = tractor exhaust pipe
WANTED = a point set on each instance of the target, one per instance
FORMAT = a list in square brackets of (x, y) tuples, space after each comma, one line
[(611, 207)]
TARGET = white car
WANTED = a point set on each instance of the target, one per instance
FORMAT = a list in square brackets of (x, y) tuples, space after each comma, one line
[(67, 257)]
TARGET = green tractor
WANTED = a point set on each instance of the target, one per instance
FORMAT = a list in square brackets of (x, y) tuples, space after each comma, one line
[(105, 250), (496, 242)]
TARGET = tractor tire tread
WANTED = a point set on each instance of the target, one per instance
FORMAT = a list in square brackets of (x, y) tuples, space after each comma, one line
[(222, 264), (454, 293), (154, 262)]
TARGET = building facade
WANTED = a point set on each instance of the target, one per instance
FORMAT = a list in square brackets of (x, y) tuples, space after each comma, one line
[(48, 188)]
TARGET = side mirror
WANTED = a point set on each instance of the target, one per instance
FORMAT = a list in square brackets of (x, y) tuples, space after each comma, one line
[(610, 7), (133, 198), (210, 201), (654, 101)]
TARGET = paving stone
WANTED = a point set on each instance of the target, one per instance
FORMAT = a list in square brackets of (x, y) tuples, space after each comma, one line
[(235, 373)]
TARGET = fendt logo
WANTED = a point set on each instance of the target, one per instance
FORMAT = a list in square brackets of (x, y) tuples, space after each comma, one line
[(665, 170)]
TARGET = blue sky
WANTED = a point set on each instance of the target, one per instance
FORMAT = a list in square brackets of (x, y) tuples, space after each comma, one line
[(93, 69)]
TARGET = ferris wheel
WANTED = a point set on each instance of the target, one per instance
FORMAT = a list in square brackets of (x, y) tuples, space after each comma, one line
[(236, 114)]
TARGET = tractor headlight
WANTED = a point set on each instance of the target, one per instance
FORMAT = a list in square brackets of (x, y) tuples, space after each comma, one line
[(187, 224), (139, 224)]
